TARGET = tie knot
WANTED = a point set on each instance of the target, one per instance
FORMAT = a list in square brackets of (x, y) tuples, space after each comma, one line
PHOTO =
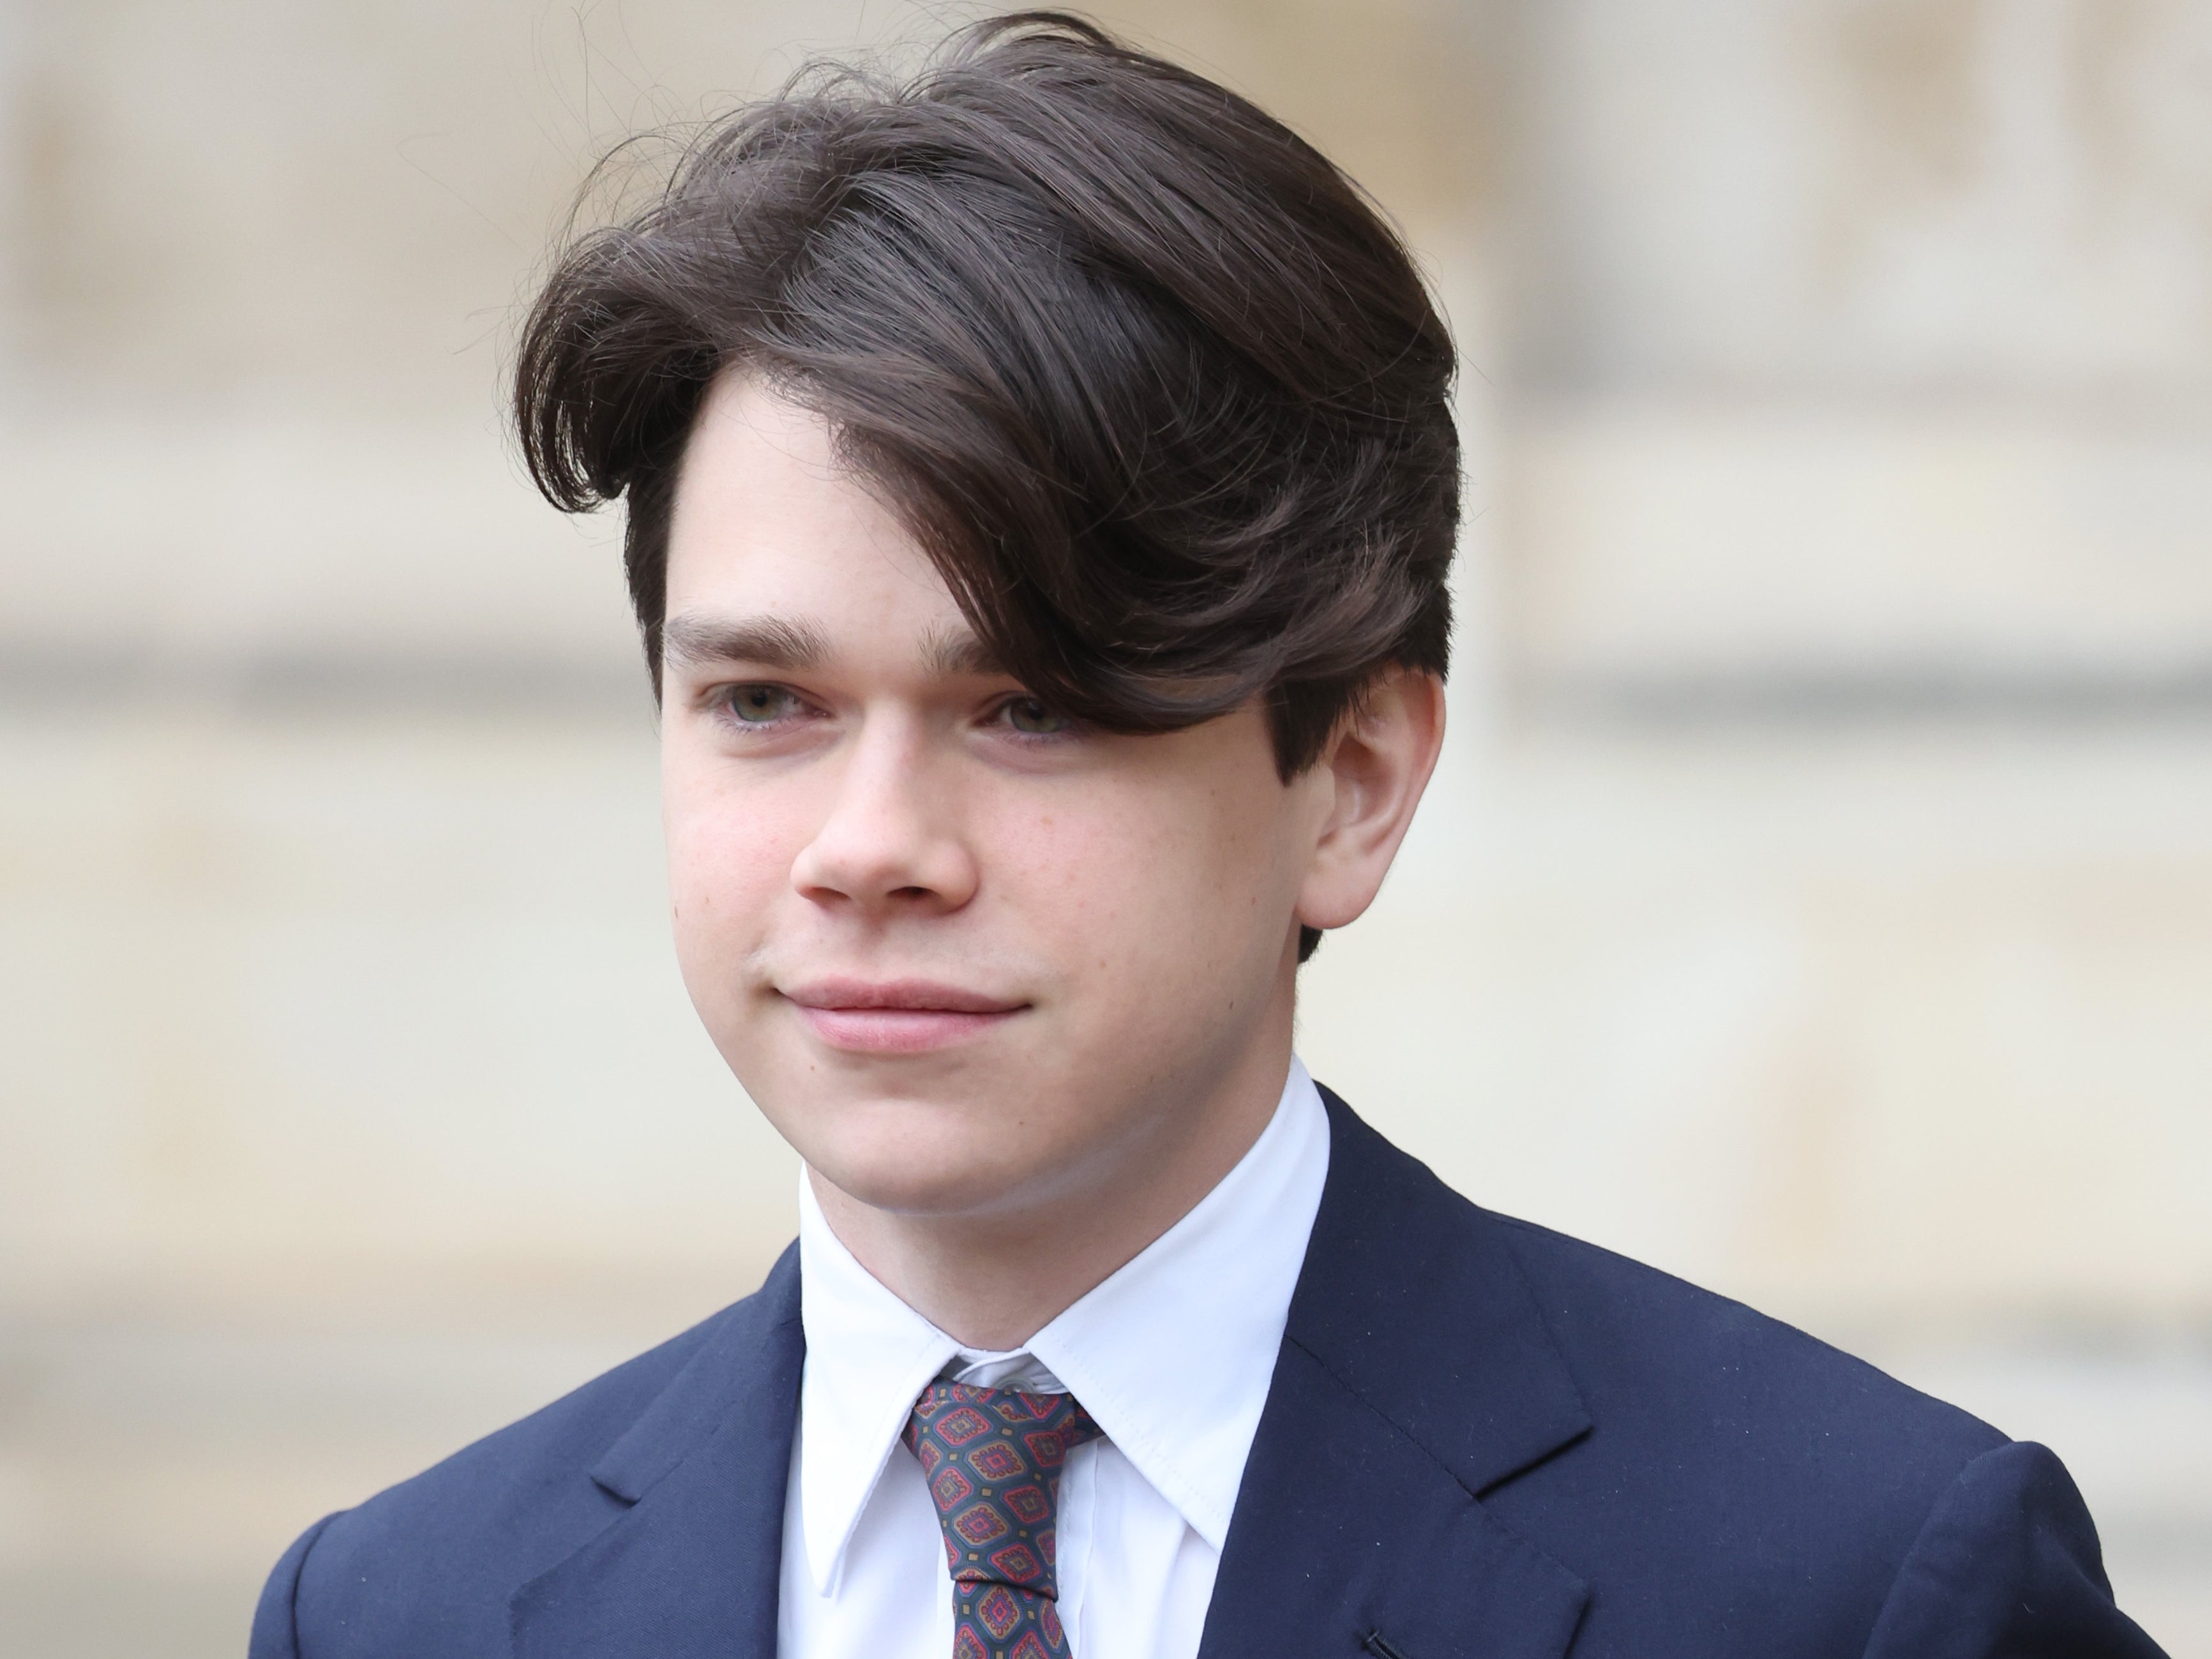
[(993, 1458)]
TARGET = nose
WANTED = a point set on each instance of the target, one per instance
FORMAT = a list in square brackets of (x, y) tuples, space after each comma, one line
[(891, 843)]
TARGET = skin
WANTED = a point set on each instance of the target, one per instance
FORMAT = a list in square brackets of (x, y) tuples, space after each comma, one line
[(1093, 934)]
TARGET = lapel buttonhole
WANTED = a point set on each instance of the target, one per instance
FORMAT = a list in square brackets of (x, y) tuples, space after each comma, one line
[(1382, 1647)]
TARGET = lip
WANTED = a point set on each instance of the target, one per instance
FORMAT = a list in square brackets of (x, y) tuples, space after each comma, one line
[(896, 1017)]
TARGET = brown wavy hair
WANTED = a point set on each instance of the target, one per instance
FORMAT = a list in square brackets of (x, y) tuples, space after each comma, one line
[(1156, 386)]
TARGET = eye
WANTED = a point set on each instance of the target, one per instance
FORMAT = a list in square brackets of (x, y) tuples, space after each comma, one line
[(759, 705), (1028, 716)]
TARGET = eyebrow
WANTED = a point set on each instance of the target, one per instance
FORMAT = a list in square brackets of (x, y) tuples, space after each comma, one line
[(952, 653), (771, 641), (692, 641)]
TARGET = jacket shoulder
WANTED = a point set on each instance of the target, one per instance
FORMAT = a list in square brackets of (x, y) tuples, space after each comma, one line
[(1638, 1337), (1742, 1475), (426, 1566)]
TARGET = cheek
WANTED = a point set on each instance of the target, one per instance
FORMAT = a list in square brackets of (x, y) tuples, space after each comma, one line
[(728, 859), (1152, 897)]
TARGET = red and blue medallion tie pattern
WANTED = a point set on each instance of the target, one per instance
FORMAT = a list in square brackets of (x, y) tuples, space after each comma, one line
[(993, 1457)]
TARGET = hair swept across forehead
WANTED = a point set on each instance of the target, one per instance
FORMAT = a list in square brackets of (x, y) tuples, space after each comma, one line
[(1154, 384)]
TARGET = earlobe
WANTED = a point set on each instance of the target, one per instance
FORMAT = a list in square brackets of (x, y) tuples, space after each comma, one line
[(1380, 761)]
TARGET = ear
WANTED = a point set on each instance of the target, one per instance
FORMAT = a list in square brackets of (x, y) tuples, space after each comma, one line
[(1376, 764)]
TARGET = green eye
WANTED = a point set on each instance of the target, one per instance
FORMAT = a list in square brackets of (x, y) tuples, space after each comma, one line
[(758, 705), (1028, 715)]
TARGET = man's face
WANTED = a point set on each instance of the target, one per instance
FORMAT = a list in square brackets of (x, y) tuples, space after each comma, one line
[(967, 956)]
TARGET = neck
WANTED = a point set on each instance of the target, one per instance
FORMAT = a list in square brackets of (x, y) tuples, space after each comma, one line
[(993, 1280)]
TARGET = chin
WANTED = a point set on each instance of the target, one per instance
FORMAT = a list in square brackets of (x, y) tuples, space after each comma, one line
[(915, 1158)]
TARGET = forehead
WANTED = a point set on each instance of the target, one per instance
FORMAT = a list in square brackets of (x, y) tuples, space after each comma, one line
[(768, 521)]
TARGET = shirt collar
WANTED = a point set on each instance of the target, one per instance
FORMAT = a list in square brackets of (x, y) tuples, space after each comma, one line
[(1172, 1355)]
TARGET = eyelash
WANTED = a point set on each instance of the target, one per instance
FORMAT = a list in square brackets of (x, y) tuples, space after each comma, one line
[(725, 698), (723, 702), (1005, 706)]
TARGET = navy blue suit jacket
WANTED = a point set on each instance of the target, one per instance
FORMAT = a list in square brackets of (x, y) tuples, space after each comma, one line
[(1482, 1439)]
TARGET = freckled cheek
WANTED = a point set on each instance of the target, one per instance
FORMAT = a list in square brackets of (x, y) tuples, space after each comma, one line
[(1208, 875), (729, 861), (1111, 883), (1034, 869)]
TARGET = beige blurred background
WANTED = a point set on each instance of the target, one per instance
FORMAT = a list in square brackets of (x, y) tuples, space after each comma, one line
[(1816, 900)]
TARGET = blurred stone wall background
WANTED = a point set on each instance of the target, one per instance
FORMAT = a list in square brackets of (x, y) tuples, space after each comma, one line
[(1816, 900)]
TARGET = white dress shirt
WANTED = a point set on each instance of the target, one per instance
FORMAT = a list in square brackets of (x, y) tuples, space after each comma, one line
[(1172, 1355)]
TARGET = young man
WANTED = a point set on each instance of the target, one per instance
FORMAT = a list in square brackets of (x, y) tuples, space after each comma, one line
[(1041, 489)]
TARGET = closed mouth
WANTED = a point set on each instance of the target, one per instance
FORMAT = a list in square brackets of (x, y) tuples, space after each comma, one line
[(898, 1017)]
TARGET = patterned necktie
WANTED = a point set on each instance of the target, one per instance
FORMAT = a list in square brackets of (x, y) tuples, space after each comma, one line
[(994, 1456)]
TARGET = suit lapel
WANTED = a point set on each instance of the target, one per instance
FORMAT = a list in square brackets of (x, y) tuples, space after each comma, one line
[(691, 1570), (1415, 1375)]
